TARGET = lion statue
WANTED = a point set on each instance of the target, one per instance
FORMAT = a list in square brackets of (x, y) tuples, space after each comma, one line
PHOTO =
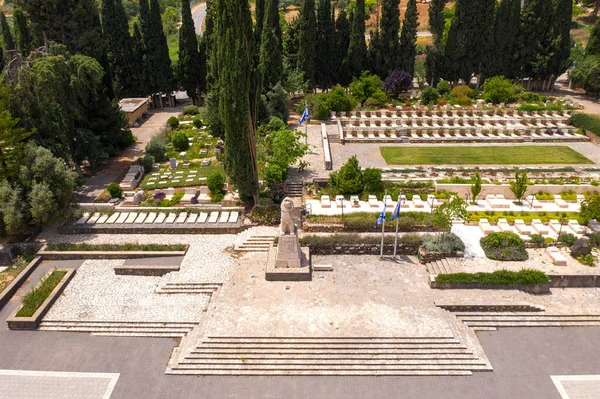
[(287, 220)]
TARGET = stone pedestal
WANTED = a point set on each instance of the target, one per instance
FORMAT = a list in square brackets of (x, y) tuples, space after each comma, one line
[(289, 254)]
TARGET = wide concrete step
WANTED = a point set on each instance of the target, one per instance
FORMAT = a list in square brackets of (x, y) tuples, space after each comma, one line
[(140, 335), (333, 362), (192, 284), (326, 346), (329, 356), (323, 372), (331, 351), (328, 340), (498, 314), (531, 318), (331, 367), (532, 324), (118, 330), (126, 324)]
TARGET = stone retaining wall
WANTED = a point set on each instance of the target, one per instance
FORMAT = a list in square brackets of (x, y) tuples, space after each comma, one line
[(361, 249), (69, 255), (574, 281), (33, 322), (426, 256), (145, 270), (14, 286), (150, 229)]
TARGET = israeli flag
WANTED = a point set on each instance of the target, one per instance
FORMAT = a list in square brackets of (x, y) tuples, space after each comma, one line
[(381, 218), (396, 213), (304, 116)]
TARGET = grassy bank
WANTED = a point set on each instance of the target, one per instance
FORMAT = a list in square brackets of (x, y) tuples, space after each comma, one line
[(34, 299)]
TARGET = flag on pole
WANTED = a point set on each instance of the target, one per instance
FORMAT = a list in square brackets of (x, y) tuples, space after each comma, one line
[(304, 116), (381, 217), (396, 213)]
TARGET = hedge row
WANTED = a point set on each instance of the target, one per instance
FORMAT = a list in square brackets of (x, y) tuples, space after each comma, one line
[(499, 277), (587, 122), (68, 247), (365, 222), (356, 239)]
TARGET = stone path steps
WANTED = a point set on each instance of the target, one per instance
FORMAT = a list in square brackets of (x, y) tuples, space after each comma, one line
[(294, 189), (444, 266), (526, 319), (330, 356), (121, 328), (189, 288), (256, 239)]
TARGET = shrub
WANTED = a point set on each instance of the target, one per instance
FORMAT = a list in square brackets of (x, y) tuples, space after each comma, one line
[(36, 297), (180, 141), (443, 87), (146, 162), (586, 121), (265, 214), (197, 122), (499, 90), (372, 179), (537, 239), (173, 122), (567, 238), (338, 100), (568, 196), (350, 178), (588, 260), (443, 243), (365, 86), (398, 82), (356, 239), (544, 196), (429, 96), (115, 190), (594, 240), (215, 183), (191, 110), (377, 100), (527, 277), (590, 208), (157, 148), (504, 246)]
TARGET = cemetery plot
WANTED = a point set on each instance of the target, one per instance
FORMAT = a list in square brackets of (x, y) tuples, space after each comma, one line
[(201, 145), (491, 155), (183, 176)]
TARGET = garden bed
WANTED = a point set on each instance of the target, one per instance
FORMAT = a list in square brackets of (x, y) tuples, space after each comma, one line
[(354, 244), (39, 300), (67, 251), (528, 280), (12, 284), (69, 247)]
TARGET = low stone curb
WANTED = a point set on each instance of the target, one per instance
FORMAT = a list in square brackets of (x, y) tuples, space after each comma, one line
[(144, 270), (33, 322), (14, 286), (361, 249), (70, 255), (574, 280), (150, 229), (532, 289)]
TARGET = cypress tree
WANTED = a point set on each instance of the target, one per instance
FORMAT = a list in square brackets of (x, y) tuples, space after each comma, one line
[(189, 66), (259, 15), (307, 42), (408, 38), (325, 45), (535, 39), (212, 87), (357, 49), (593, 45), (389, 34), (506, 33), (271, 47), (120, 47), (234, 42), (9, 43), (342, 41), (22, 33), (437, 24), (158, 62), (291, 44), (563, 13), (375, 54), (139, 66)]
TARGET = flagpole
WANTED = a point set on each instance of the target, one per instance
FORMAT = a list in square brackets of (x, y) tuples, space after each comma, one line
[(306, 126), (396, 236), (382, 227)]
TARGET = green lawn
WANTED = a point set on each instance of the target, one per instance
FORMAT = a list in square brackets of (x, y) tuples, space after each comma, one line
[(496, 155), (198, 179)]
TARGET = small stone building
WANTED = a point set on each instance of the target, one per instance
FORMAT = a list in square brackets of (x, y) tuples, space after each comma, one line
[(134, 108)]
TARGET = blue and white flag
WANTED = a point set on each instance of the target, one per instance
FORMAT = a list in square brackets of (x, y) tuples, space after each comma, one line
[(396, 213), (381, 217), (304, 116)]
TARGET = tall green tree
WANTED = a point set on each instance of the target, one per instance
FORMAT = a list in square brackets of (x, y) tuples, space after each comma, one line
[(120, 47), (307, 42), (259, 16), (7, 38), (12, 138), (437, 24), (189, 68), (22, 33), (389, 36), (291, 45), (342, 42), (408, 38), (535, 39), (506, 34), (593, 45), (138, 60), (561, 33), (325, 45), (213, 119), (234, 44), (357, 49), (271, 47), (158, 62)]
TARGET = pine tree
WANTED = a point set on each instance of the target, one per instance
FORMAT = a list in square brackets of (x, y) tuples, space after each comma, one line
[(157, 59), (271, 47), (307, 42), (357, 49), (342, 41), (535, 39), (9, 43), (22, 33), (437, 24), (189, 66), (234, 44), (325, 45), (593, 45), (408, 38), (389, 34), (120, 47), (506, 34), (139, 66)]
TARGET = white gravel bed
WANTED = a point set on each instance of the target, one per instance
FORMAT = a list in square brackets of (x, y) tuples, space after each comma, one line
[(97, 294)]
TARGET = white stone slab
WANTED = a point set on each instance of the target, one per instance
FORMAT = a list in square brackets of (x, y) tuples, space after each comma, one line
[(94, 218), (181, 218), (233, 218), (84, 218), (224, 217), (150, 219), (214, 216), (141, 217), (102, 219), (113, 218), (131, 218), (171, 218), (192, 218), (122, 217), (202, 218), (160, 218)]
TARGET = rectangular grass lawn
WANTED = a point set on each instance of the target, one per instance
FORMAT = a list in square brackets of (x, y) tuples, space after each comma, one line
[(490, 155)]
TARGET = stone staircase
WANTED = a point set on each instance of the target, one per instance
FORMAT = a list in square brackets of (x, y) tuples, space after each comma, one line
[(444, 266), (329, 356), (294, 189), (121, 328), (256, 239), (493, 320), (188, 288)]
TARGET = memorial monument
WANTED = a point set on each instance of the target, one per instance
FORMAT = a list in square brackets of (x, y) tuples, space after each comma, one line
[(288, 262)]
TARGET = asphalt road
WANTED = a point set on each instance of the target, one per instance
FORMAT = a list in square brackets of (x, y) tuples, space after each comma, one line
[(198, 17)]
